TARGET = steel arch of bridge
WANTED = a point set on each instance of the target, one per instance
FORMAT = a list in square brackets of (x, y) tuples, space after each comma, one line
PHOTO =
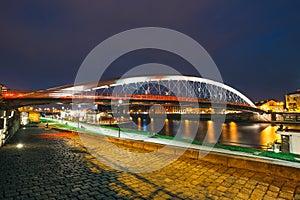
[(174, 86)]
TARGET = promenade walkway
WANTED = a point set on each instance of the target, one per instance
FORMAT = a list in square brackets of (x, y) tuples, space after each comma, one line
[(56, 165), (145, 138)]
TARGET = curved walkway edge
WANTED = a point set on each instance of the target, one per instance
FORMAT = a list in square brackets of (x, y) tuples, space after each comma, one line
[(224, 157)]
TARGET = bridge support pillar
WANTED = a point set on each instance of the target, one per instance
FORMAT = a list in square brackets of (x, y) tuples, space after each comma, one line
[(273, 117)]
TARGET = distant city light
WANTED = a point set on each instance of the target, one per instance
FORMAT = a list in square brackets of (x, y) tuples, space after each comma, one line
[(19, 146)]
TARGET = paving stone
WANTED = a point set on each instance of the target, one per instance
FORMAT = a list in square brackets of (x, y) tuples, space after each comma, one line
[(243, 196), (222, 189), (233, 190), (261, 187), (297, 197), (288, 189), (250, 186), (272, 194), (60, 167), (286, 195), (257, 194), (266, 197)]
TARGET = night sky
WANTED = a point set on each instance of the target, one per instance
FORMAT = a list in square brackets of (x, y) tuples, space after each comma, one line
[(255, 44)]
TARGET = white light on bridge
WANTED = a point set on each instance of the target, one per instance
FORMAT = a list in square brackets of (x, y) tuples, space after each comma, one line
[(19, 146)]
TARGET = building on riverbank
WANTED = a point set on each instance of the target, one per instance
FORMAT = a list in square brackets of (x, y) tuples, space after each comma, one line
[(293, 101), (271, 105)]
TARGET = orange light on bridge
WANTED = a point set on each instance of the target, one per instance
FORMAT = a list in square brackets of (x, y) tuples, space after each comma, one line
[(12, 95), (8, 94)]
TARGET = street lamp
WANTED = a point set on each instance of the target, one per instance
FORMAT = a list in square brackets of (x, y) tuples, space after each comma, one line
[(119, 118), (78, 115)]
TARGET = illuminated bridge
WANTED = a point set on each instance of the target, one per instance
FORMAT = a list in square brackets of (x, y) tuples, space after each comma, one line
[(147, 90)]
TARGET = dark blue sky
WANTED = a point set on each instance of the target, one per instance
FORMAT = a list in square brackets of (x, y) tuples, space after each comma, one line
[(255, 44)]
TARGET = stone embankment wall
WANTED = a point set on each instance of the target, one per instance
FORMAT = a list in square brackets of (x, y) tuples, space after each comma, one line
[(255, 164), (10, 123)]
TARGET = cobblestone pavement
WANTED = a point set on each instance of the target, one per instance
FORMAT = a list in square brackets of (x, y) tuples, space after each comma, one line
[(55, 165)]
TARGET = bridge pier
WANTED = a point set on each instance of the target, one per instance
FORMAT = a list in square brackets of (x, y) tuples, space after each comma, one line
[(9, 124)]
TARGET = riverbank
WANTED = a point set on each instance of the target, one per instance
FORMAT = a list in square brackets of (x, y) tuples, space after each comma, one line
[(291, 159)]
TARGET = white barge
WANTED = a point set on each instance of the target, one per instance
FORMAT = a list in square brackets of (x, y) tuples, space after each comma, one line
[(290, 140)]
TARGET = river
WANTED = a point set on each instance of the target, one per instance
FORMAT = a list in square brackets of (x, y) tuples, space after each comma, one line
[(254, 135)]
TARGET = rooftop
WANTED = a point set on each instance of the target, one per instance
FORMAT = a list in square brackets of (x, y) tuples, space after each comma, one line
[(297, 92)]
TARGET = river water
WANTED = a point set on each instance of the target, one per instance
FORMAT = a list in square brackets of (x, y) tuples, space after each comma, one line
[(254, 135)]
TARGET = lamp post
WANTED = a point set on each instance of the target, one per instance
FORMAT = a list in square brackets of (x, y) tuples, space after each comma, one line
[(79, 107), (119, 133), (78, 120), (119, 118)]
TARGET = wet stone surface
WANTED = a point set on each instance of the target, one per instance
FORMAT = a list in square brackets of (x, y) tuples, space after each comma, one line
[(55, 165)]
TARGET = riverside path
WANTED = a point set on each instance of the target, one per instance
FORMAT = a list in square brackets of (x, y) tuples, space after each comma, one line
[(55, 165)]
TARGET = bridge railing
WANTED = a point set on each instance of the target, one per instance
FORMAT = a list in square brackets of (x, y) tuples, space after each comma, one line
[(142, 97)]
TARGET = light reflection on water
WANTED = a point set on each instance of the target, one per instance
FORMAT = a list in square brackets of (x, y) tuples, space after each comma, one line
[(268, 134), (239, 134), (144, 125), (230, 133), (167, 128), (139, 123), (210, 132), (187, 128)]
